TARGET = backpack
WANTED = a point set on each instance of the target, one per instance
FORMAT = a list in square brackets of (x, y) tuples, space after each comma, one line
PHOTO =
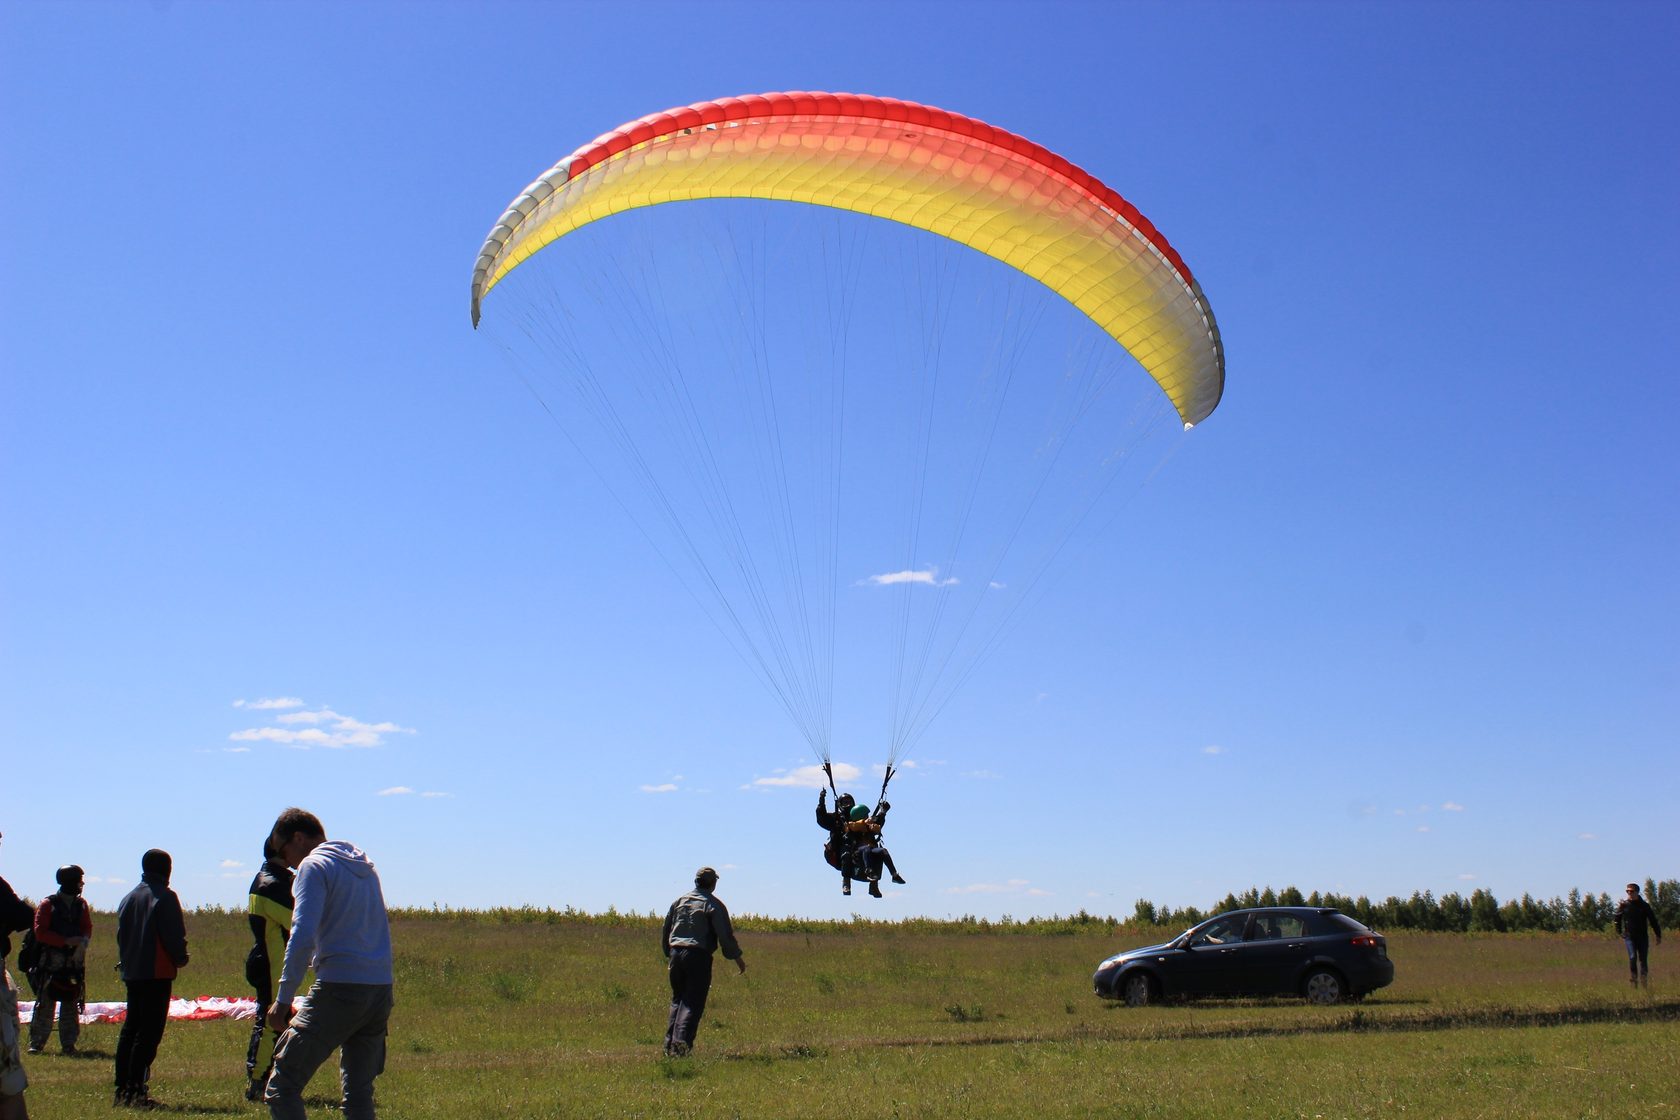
[(29, 957)]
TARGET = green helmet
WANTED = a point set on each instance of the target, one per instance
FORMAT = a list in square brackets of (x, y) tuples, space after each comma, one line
[(859, 812)]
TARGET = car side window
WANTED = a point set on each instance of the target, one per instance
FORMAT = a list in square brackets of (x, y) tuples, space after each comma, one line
[(1225, 931), (1288, 925)]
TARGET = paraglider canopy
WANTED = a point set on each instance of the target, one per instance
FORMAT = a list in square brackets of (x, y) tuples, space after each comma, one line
[(955, 176), (790, 420)]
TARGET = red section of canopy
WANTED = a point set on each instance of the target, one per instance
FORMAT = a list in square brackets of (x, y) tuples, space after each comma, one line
[(765, 105)]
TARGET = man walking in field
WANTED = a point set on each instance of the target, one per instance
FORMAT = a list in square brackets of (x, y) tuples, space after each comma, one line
[(340, 928), (696, 924), (1633, 916)]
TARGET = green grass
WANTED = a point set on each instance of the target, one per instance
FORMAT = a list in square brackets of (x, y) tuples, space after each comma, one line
[(538, 1014)]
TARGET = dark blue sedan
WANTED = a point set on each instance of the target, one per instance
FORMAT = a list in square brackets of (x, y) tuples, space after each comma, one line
[(1317, 953)]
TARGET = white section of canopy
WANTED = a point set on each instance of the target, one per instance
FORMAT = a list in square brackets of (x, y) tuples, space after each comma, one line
[(204, 1007)]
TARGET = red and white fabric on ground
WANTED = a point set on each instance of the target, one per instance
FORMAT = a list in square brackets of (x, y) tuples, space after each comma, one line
[(204, 1007)]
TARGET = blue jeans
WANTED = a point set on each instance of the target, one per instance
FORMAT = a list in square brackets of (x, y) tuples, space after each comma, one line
[(349, 1018), (1639, 954)]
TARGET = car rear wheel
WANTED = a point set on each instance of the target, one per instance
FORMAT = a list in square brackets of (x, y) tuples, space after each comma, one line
[(1324, 988), (1136, 990)]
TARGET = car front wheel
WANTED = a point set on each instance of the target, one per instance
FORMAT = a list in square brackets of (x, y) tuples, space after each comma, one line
[(1324, 988), (1135, 990)]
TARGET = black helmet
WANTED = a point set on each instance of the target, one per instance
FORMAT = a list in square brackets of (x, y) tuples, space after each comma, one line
[(68, 874)]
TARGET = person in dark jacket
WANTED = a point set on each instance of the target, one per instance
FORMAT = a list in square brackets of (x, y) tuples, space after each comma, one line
[(271, 923), (838, 850), (695, 926), (151, 948), (1635, 922), (63, 928)]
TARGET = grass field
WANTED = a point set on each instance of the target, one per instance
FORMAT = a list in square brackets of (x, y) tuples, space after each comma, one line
[(549, 1015)]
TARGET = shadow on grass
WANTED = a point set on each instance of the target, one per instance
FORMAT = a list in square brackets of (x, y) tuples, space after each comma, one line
[(1344, 1021)]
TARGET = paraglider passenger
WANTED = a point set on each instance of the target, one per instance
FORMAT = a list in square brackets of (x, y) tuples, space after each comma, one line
[(838, 850), (871, 855), (63, 926)]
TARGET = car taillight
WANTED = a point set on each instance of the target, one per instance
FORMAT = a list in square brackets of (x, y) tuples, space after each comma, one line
[(1366, 941)]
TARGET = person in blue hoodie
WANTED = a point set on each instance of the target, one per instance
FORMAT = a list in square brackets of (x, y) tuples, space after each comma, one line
[(340, 929)]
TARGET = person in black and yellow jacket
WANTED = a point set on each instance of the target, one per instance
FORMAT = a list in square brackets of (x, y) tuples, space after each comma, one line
[(271, 925)]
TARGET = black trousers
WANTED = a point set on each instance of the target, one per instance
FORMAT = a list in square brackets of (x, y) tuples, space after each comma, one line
[(259, 1058), (142, 1031), (691, 980)]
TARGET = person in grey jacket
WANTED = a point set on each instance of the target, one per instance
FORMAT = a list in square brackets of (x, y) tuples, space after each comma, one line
[(341, 930), (695, 926)]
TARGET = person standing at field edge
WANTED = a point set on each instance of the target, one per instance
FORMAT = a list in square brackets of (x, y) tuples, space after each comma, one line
[(270, 910), (341, 929), (1633, 915), (151, 950), (63, 927), (696, 924)]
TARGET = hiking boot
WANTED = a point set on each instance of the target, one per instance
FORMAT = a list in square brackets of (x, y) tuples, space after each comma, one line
[(34, 1049), (897, 878), (846, 890), (253, 1090), (874, 889)]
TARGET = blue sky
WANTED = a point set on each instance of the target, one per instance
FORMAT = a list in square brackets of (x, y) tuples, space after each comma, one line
[(1399, 616)]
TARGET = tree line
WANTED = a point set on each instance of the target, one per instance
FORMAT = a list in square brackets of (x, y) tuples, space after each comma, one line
[(1580, 911)]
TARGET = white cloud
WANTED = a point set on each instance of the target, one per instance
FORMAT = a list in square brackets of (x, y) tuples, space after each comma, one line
[(269, 704), (663, 787), (1467, 875), (1012, 886), (325, 728), (997, 585), (1587, 836), (394, 791), (230, 863), (1213, 748), (811, 777), (1451, 807), (927, 577), (1423, 828), (436, 793), (236, 750), (1037, 892)]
